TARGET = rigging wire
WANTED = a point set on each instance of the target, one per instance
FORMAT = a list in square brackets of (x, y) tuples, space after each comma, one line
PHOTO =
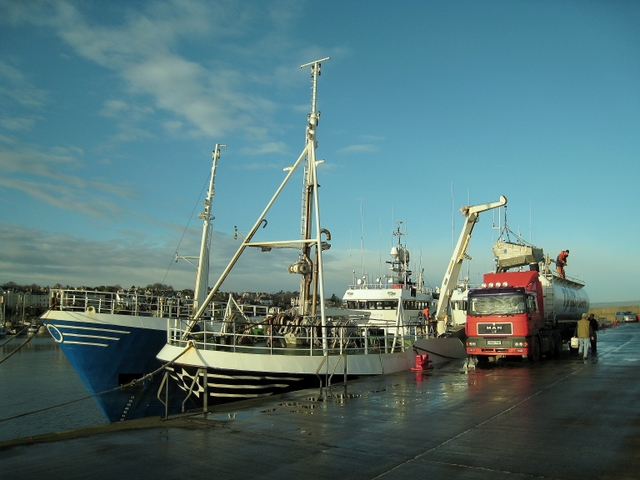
[(13, 337), (29, 338), (184, 232)]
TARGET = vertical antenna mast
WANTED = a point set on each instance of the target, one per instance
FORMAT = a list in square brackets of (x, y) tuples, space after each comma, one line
[(309, 193), (202, 274), (310, 144)]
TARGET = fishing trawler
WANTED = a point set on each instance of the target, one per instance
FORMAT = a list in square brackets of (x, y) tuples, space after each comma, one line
[(395, 298), (308, 345), (111, 338)]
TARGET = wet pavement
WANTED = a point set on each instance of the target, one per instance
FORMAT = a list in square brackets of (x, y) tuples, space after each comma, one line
[(557, 419)]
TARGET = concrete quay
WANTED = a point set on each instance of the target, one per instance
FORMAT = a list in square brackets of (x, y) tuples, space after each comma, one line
[(557, 419)]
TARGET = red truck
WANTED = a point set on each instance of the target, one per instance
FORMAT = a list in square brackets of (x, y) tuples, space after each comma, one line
[(523, 313)]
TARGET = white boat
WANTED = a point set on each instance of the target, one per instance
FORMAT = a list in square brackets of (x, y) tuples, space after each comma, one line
[(393, 299), (458, 306), (310, 345)]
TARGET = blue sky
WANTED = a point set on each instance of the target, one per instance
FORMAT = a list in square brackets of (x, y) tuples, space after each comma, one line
[(109, 112)]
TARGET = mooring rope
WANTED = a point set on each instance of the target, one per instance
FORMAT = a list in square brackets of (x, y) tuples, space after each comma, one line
[(29, 338), (119, 387), (13, 337), (415, 349)]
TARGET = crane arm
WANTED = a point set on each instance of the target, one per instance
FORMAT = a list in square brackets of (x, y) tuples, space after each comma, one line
[(455, 264)]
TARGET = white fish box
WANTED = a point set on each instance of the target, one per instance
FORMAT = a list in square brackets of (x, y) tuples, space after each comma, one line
[(514, 254)]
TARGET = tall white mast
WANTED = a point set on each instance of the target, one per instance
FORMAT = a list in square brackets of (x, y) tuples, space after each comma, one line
[(202, 269), (308, 299), (202, 275)]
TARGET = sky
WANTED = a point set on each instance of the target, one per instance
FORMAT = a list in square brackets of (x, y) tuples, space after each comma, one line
[(109, 112)]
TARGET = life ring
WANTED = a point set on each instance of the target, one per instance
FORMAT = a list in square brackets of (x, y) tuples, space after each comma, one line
[(91, 309)]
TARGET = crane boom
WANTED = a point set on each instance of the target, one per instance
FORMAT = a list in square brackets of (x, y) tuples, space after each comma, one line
[(455, 264)]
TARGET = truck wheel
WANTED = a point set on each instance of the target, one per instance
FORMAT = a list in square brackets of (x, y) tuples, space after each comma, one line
[(482, 359), (557, 344), (534, 356)]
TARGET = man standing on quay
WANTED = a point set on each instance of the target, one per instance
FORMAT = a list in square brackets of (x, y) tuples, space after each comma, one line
[(584, 332)]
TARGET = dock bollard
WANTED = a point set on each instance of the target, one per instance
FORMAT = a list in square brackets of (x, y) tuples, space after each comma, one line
[(422, 362)]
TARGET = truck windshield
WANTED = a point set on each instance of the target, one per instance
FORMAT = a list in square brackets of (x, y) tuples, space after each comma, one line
[(500, 304)]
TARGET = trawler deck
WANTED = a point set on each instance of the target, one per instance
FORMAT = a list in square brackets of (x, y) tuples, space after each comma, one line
[(302, 338)]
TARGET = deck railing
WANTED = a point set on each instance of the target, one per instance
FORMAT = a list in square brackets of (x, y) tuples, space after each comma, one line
[(132, 303), (305, 338), (386, 286), (121, 303)]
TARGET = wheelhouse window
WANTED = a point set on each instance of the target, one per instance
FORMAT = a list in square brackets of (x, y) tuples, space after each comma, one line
[(372, 305), (459, 305)]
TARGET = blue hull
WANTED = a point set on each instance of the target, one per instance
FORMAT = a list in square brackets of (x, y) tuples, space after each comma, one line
[(107, 355)]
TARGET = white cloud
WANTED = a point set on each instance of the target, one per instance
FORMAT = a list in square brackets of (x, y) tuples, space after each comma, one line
[(114, 108), (361, 148), (53, 177), (18, 124), (371, 138), (16, 157), (144, 50), (269, 147), (34, 256), (16, 87), (149, 47), (173, 126)]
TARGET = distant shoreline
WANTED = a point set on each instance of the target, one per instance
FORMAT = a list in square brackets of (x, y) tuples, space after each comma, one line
[(620, 305)]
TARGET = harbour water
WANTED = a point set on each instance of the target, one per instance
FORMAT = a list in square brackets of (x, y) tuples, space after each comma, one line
[(36, 377)]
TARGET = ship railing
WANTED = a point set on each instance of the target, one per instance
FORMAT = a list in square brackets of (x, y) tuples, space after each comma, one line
[(387, 286), (114, 303), (256, 311), (132, 303), (303, 339)]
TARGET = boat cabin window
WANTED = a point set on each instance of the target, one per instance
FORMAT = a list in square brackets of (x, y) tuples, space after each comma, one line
[(415, 305), (385, 305), (500, 304), (459, 305), (372, 305)]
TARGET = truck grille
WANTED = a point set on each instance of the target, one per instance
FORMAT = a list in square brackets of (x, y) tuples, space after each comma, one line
[(495, 328)]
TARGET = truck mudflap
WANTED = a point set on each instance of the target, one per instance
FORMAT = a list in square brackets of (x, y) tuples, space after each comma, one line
[(496, 351), (498, 346)]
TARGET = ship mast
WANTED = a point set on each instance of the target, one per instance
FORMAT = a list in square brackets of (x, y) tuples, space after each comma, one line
[(202, 269), (305, 265), (202, 275)]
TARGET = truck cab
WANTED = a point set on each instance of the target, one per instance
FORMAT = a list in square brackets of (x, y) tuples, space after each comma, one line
[(505, 317)]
